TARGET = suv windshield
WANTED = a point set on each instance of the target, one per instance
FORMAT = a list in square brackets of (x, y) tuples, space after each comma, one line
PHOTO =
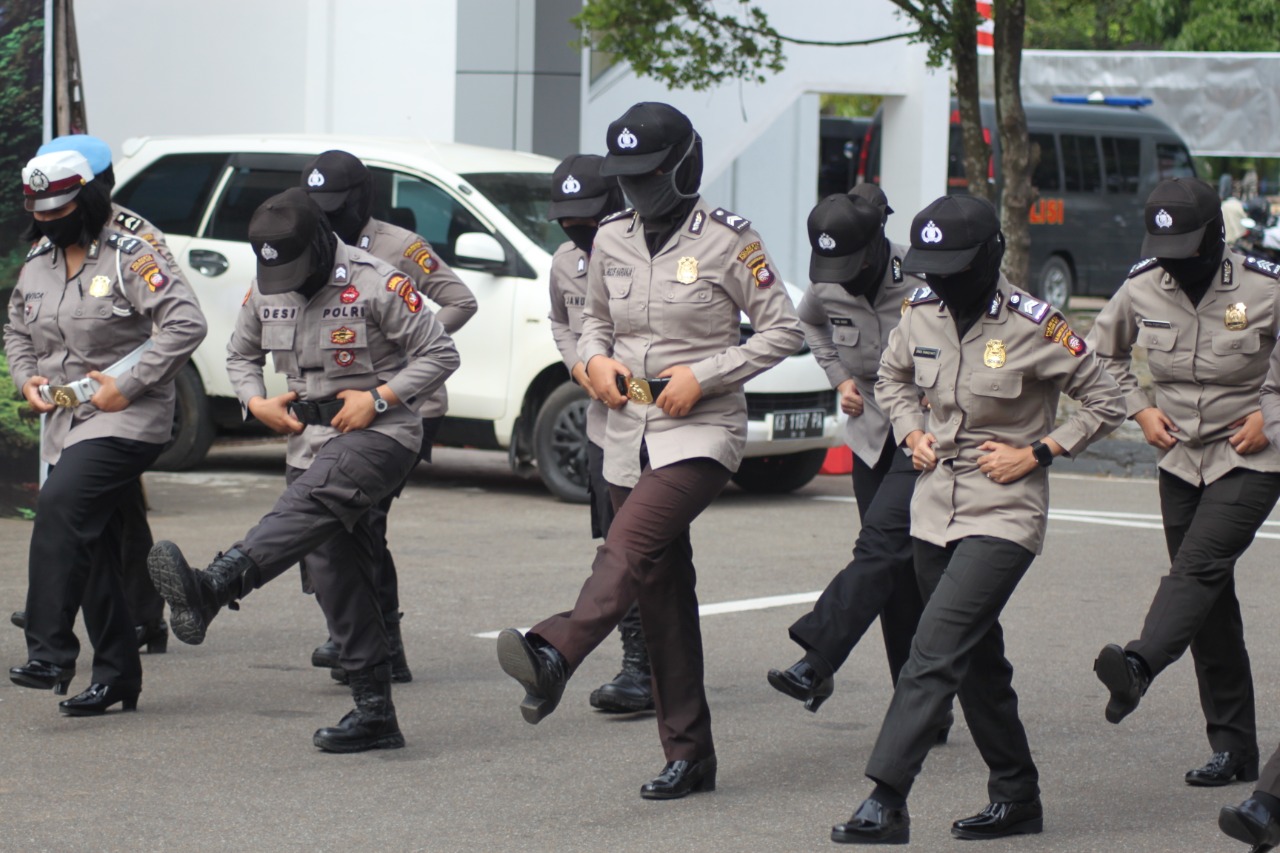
[(523, 198)]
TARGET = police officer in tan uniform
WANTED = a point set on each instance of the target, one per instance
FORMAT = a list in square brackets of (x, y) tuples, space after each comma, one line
[(857, 297), (360, 351), (992, 362), (666, 286), (343, 188), (98, 327), (1208, 318), (580, 198)]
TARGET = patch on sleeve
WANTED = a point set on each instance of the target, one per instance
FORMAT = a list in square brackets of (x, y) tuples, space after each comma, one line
[(760, 271), (420, 253), (1267, 268), (730, 220), (39, 249), (1033, 309), (129, 222), (1074, 344), (402, 286), (1141, 267), (149, 271)]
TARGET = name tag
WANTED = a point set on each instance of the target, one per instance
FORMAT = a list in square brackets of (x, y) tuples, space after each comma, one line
[(269, 313), (619, 272), (841, 321), (571, 300), (343, 311), (1157, 324), (926, 352)]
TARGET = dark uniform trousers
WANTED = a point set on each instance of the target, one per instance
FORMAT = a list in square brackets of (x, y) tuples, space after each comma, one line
[(75, 559), (647, 558), (959, 650), (602, 513), (1207, 528), (144, 602), (1269, 779), (328, 514), (879, 581)]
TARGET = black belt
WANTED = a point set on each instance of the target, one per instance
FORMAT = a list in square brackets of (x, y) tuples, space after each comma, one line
[(315, 412), (641, 390)]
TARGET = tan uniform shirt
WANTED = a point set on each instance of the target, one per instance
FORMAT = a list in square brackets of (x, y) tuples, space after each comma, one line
[(847, 334), (682, 307), (413, 255), (60, 329), (126, 221), (367, 327), (1000, 383), (1208, 362), (568, 298)]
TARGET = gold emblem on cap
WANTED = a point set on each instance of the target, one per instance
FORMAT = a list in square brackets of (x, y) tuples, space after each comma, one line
[(1237, 317), (994, 355), (100, 286), (687, 270)]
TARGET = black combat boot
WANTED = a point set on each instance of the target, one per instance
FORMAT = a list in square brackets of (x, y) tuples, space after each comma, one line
[(195, 597), (372, 724), (631, 689)]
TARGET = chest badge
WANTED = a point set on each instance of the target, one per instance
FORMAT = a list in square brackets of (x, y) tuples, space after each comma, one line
[(994, 356), (349, 294), (1237, 317), (101, 286), (342, 337), (687, 270)]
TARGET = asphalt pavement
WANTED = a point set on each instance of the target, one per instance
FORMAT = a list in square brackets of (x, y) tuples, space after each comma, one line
[(219, 755)]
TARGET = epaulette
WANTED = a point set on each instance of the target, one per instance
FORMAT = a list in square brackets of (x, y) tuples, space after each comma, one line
[(129, 222), (125, 245), (1267, 268), (921, 295), (730, 220), (1033, 309), (1142, 266), (619, 215), (39, 249)]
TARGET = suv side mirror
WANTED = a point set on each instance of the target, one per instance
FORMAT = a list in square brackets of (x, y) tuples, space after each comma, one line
[(480, 250)]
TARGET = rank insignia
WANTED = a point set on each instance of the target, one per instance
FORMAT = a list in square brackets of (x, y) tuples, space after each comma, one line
[(344, 357), (349, 295), (582, 265), (994, 355), (340, 273), (1237, 317), (687, 270), (364, 242), (342, 337), (100, 286)]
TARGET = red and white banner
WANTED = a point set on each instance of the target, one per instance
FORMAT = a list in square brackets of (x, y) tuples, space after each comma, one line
[(986, 27)]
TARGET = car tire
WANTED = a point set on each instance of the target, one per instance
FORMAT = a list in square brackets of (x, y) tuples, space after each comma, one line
[(776, 475), (560, 443), (193, 429), (1056, 282)]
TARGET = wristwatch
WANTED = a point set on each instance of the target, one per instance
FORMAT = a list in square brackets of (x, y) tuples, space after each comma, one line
[(1042, 453), (379, 404)]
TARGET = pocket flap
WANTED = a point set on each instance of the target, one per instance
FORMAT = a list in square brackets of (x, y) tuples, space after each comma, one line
[(1161, 340), (845, 336), (1236, 343), (1003, 384), (277, 336), (926, 372), (618, 286)]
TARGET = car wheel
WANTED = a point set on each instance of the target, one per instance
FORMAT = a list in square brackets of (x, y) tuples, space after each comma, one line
[(193, 429), (560, 443), (776, 475), (1056, 282)]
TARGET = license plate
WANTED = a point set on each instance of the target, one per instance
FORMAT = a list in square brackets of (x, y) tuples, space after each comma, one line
[(798, 424)]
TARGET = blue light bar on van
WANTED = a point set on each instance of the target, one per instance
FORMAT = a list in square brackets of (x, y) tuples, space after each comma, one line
[(1107, 101)]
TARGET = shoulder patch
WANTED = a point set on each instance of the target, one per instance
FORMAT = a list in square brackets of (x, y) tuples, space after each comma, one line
[(922, 295), (896, 266), (1142, 266), (730, 220), (619, 215), (1268, 268), (129, 222), (1056, 331), (1033, 309), (125, 245), (39, 249)]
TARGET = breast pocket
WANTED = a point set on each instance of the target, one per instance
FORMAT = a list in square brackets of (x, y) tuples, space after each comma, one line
[(926, 372), (686, 310), (846, 340), (1237, 356), (1160, 345), (993, 393), (277, 339), (619, 288), (344, 349), (575, 318), (93, 331)]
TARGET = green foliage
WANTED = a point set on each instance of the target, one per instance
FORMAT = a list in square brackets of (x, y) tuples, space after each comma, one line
[(21, 109), (1222, 25), (850, 106), (16, 432)]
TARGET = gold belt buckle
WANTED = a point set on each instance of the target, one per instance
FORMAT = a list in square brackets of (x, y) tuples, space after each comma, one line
[(638, 391), (63, 397)]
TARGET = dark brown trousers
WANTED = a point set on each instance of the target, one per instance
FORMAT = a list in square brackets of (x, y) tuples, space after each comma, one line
[(647, 557)]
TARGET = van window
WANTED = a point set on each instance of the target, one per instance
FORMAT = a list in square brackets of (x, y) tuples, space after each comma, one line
[(1173, 161), (246, 190), (423, 208), (173, 191), (1046, 177), (1082, 173), (1124, 164)]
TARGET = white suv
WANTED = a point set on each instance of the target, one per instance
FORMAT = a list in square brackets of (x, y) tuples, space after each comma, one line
[(484, 212)]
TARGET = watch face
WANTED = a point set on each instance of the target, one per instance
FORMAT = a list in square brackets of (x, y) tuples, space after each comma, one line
[(380, 405)]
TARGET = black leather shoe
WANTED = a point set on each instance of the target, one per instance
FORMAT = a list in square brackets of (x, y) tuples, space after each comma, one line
[(1000, 819), (42, 676), (1224, 768), (874, 823), (1251, 822), (1125, 676), (19, 618), (325, 655), (681, 778), (803, 682), (542, 671), (155, 636), (98, 698)]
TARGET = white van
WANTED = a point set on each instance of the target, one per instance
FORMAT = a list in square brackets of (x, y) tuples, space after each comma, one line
[(484, 212)]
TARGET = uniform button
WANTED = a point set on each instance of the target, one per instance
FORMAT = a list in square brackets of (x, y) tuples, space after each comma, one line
[(79, 312), (995, 386), (671, 296)]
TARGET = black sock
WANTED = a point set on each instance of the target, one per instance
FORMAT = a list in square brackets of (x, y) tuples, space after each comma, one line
[(888, 797), (1272, 803), (818, 663), (1141, 663)]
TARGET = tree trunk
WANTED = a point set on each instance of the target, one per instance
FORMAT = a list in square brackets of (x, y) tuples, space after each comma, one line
[(964, 56), (1015, 147)]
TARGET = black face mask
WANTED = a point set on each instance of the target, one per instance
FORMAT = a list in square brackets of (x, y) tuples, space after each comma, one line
[(323, 249), (581, 236), (867, 281), (1195, 274), (657, 196), (968, 293), (350, 219), (65, 230)]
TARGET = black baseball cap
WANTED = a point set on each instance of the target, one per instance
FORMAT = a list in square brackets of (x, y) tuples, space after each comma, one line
[(644, 136), (1176, 215), (578, 189), (330, 177), (946, 235), (841, 229), (872, 193), (281, 231)]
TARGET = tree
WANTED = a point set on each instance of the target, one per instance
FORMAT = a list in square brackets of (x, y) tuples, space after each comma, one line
[(688, 43), (1228, 25)]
